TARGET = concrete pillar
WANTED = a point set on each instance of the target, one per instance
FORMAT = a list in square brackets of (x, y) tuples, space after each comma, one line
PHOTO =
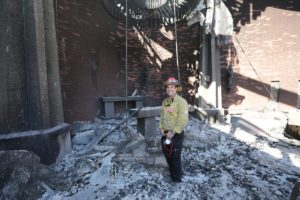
[(298, 94), (215, 87), (54, 87), (37, 83), (13, 95), (4, 21), (147, 127), (210, 87), (30, 66), (273, 103), (209, 91), (203, 75)]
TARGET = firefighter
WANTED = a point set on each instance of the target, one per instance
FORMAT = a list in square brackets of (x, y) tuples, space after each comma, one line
[(173, 120)]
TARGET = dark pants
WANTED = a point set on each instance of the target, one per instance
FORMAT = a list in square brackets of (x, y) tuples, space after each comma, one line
[(172, 154)]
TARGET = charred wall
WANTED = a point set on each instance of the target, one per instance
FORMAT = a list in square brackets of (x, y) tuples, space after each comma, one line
[(152, 58), (13, 96), (91, 47), (92, 58), (31, 114), (89, 65), (30, 85), (266, 48)]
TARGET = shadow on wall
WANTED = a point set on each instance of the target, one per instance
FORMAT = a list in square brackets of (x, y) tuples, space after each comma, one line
[(243, 12), (231, 97), (247, 10), (152, 58)]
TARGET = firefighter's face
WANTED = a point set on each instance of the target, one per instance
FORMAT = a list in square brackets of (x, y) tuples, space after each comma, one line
[(171, 90)]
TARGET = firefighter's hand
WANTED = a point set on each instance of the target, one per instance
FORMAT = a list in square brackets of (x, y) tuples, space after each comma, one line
[(162, 132), (170, 134)]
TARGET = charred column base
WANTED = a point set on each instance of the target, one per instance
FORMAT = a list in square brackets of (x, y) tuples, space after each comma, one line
[(49, 144), (212, 115), (146, 122), (293, 126)]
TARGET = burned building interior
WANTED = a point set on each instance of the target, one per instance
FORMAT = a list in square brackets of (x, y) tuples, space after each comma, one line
[(81, 87)]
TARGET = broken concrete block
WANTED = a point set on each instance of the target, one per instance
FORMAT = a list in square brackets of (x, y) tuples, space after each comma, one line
[(83, 137), (293, 126), (101, 176), (104, 148), (134, 144)]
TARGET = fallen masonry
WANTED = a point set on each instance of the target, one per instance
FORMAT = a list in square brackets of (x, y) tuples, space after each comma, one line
[(249, 158)]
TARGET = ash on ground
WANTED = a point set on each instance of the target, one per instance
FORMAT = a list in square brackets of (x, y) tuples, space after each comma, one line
[(248, 158)]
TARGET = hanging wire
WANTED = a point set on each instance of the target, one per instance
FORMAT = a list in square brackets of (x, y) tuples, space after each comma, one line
[(176, 42), (271, 96), (126, 61), (258, 76)]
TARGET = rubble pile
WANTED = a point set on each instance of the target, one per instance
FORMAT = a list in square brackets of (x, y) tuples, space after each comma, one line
[(248, 158), (22, 176)]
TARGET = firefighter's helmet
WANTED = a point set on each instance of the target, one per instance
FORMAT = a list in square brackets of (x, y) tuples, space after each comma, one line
[(172, 81)]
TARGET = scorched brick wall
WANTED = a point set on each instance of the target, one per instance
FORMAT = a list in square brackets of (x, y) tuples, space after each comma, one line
[(92, 58)]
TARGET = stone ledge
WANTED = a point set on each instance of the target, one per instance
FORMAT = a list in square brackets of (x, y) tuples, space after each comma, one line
[(51, 131), (109, 103), (152, 111), (118, 98), (49, 144), (146, 112)]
